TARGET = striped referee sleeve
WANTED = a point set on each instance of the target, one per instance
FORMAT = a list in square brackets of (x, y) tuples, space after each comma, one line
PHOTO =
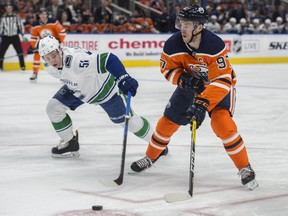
[(11, 25)]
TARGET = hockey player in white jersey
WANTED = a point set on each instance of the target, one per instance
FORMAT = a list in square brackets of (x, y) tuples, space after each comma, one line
[(94, 78)]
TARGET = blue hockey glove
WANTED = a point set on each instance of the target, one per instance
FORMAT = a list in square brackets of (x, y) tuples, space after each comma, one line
[(198, 109), (127, 83), (189, 83)]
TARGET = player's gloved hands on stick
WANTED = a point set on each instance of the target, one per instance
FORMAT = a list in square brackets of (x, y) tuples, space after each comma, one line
[(189, 83), (198, 109), (127, 83)]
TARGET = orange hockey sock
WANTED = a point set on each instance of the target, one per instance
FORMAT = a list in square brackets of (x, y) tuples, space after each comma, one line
[(161, 137), (225, 128)]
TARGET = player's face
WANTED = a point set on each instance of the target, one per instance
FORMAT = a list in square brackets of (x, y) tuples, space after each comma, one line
[(186, 28), (43, 17), (53, 59)]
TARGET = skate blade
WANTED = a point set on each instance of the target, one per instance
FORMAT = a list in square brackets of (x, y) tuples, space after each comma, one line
[(66, 155), (33, 81), (252, 184)]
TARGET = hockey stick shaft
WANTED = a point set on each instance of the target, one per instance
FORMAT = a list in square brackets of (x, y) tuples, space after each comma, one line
[(182, 196), (13, 56), (119, 180), (192, 156), (8, 57)]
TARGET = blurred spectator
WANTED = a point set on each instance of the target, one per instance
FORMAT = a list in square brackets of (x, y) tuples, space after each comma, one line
[(174, 10), (146, 24), (266, 28), (78, 27), (104, 12), (164, 22), (230, 27), (65, 22), (157, 4), (86, 13), (254, 28), (72, 10), (278, 27), (92, 25), (242, 26), (239, 12), (134, 26), (280, 11), (21, 8), (55, 9), (213, 25), (120, 26), (221, 14)]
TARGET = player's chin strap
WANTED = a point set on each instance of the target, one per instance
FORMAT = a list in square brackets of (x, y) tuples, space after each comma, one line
[(193, 35)]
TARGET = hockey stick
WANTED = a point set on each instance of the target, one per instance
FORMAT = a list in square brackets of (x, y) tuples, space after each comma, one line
[(13, 56), (182, 196), (120, 178), (8, 57)]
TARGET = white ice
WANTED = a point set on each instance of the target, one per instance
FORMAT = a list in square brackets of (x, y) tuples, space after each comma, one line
[(34, 184)]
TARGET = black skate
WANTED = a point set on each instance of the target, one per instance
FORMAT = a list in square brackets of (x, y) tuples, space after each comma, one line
[(248, 177), (145, 163), (33, 78), (67, 149)]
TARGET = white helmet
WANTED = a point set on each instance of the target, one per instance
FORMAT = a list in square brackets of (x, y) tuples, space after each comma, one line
[(48, 44)]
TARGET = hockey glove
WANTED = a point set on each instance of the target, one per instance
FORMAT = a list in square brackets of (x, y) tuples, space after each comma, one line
[(127, 83), (189, 83), (198, 109), (30, 50)]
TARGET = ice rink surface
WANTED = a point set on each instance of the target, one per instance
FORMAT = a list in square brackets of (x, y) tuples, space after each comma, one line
[(34, 184)]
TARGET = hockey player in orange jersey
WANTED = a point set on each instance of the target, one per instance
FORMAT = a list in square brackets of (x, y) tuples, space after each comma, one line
[(41, 28), (196, 60)]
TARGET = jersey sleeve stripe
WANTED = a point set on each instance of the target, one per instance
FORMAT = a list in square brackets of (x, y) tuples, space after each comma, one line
[(167, 74), (220, 86), (224, 80), (222, 76)]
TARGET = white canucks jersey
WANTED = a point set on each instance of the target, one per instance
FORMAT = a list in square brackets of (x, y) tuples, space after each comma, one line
[(85, 74)]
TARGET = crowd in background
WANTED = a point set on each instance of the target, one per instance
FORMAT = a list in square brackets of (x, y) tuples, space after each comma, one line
[(82, 16)]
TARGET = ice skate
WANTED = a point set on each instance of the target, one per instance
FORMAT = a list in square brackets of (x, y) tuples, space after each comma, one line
[(248, 177), (145, 163), (67, 149), (33, 78)]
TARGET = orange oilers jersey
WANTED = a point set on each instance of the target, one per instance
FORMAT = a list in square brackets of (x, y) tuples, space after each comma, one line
[(52, 27), (209, 62)]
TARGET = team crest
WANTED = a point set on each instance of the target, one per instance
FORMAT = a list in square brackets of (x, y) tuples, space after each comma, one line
[(45, 32), (200, 71)]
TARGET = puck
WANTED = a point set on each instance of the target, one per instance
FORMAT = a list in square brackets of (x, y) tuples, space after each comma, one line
[(97, 207)]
